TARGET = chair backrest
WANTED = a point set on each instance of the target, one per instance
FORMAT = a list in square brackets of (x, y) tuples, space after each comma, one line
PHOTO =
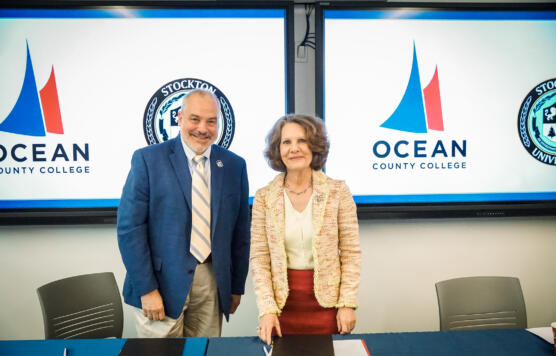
[(475, 303), (82, 307)]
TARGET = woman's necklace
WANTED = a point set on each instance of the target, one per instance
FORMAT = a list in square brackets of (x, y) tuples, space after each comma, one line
[(298, 193)]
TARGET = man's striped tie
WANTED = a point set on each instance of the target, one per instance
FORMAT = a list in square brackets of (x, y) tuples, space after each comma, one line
[(200, 216)]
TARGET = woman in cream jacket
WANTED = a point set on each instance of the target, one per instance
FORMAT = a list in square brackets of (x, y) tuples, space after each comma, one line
[(305, 255)]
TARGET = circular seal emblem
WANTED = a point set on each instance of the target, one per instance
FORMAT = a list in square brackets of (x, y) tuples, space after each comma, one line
[(160, 121), (536, 122)]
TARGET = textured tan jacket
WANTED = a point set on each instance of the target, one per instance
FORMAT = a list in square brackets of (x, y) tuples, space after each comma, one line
[(336, 252)]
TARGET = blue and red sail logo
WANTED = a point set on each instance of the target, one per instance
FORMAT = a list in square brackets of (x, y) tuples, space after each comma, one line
[(35, 112), (420, 109)]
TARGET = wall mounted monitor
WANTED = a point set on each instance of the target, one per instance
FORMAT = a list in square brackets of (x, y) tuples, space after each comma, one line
[(83, 87), (441, 111)]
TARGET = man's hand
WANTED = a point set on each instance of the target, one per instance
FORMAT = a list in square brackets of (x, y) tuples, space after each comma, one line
[(236, 299), (153, 308), (345, 318)]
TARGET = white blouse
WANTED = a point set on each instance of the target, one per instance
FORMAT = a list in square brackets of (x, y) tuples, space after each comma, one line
[(299, 235)]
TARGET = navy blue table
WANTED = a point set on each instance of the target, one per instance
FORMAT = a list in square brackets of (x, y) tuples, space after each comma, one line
[(444, 343), (450, 343)]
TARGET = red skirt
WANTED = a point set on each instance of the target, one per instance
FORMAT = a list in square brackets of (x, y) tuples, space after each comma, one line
[(302, 313)]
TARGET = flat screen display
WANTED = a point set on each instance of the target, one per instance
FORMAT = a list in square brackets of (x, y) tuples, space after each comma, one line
[(428, 106), (83, 88)]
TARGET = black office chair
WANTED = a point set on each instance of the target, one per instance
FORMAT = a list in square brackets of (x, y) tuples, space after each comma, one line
[(478, 303), (82, 307)]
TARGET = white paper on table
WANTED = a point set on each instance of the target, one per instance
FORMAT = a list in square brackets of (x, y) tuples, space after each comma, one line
[(545, 333), (350, 348)]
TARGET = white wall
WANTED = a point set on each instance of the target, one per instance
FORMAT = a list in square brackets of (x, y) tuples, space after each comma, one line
[(402, 259)]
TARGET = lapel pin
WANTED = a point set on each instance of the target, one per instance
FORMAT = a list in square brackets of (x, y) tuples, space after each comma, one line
[(219, 164)]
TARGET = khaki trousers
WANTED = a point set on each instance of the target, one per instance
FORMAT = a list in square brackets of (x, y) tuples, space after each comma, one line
[(201, 316)]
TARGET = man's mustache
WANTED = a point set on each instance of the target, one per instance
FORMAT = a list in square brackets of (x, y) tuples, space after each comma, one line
[(200, 134)]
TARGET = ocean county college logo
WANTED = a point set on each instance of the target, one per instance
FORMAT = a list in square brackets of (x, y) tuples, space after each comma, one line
[(419, 112), (536, 122), (35, 113), (160, 121)]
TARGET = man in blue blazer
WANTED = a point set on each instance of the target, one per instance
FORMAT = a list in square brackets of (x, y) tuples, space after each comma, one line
[(176, 293)]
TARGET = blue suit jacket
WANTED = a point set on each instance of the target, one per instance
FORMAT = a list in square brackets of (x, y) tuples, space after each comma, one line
[(154, 225)]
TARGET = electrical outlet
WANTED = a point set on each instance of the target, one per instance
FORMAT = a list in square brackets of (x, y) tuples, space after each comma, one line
[(300, 53)]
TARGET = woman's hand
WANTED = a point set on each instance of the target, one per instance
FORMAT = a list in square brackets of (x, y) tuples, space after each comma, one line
[(345, 317), (266, 323)]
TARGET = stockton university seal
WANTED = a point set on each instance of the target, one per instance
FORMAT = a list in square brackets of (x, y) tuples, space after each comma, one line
[(536, 122), (160, 121)]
